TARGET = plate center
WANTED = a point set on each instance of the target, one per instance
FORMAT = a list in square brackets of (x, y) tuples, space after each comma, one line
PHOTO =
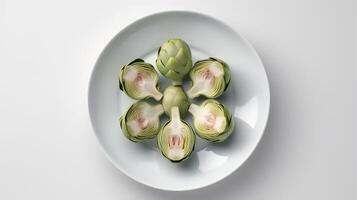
[(197, 54)]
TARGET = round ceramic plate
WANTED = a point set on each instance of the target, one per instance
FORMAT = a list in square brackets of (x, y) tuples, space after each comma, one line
[(248, 99)]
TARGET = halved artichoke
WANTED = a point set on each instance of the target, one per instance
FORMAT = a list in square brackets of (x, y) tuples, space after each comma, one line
[(175, 96), (210, 78), (176, 139), (141, 121), (174, 60), (212, 120), (139, 79)]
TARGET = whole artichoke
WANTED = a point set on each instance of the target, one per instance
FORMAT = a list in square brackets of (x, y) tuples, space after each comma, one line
[(174, 60), (175, 96)]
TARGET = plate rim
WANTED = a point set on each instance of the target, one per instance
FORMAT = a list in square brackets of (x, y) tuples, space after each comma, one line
[(133, 23)]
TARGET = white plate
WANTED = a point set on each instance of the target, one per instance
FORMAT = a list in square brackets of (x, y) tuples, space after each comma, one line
[(248, 99)]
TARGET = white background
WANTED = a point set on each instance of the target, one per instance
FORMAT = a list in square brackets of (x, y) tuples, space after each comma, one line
[(47, 146)]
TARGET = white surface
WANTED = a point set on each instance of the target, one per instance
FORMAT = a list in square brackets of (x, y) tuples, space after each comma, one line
[(48, 149), (247, 98)]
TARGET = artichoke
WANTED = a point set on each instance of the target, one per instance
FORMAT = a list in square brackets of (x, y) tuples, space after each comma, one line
[(176, 139), (139, 79), (175, 96), (141, 121), (210, 78), (174, 60), (212, 120)]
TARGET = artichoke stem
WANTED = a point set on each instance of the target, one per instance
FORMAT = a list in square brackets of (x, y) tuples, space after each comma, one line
[(158, 109), (175, 114), (194, 91), (179, 82), (193, 109), (156, 94)]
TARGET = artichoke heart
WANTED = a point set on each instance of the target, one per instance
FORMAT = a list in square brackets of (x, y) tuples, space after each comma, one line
[(174, 60), (139, 80), (141, 121), (176, 139), (209, 77), (212, 120)]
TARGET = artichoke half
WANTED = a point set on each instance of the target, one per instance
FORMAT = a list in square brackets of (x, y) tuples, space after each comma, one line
[(174, 60), (175, 96), (210, 78), (141, 121), (176, 139), (212, 120), (139, 80)]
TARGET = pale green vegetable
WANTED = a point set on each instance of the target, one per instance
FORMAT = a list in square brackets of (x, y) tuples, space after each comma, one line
[(174, 60), (212, 120), (210, 78), (176, 139), (141, 121), (175, 96), (139, 80)]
